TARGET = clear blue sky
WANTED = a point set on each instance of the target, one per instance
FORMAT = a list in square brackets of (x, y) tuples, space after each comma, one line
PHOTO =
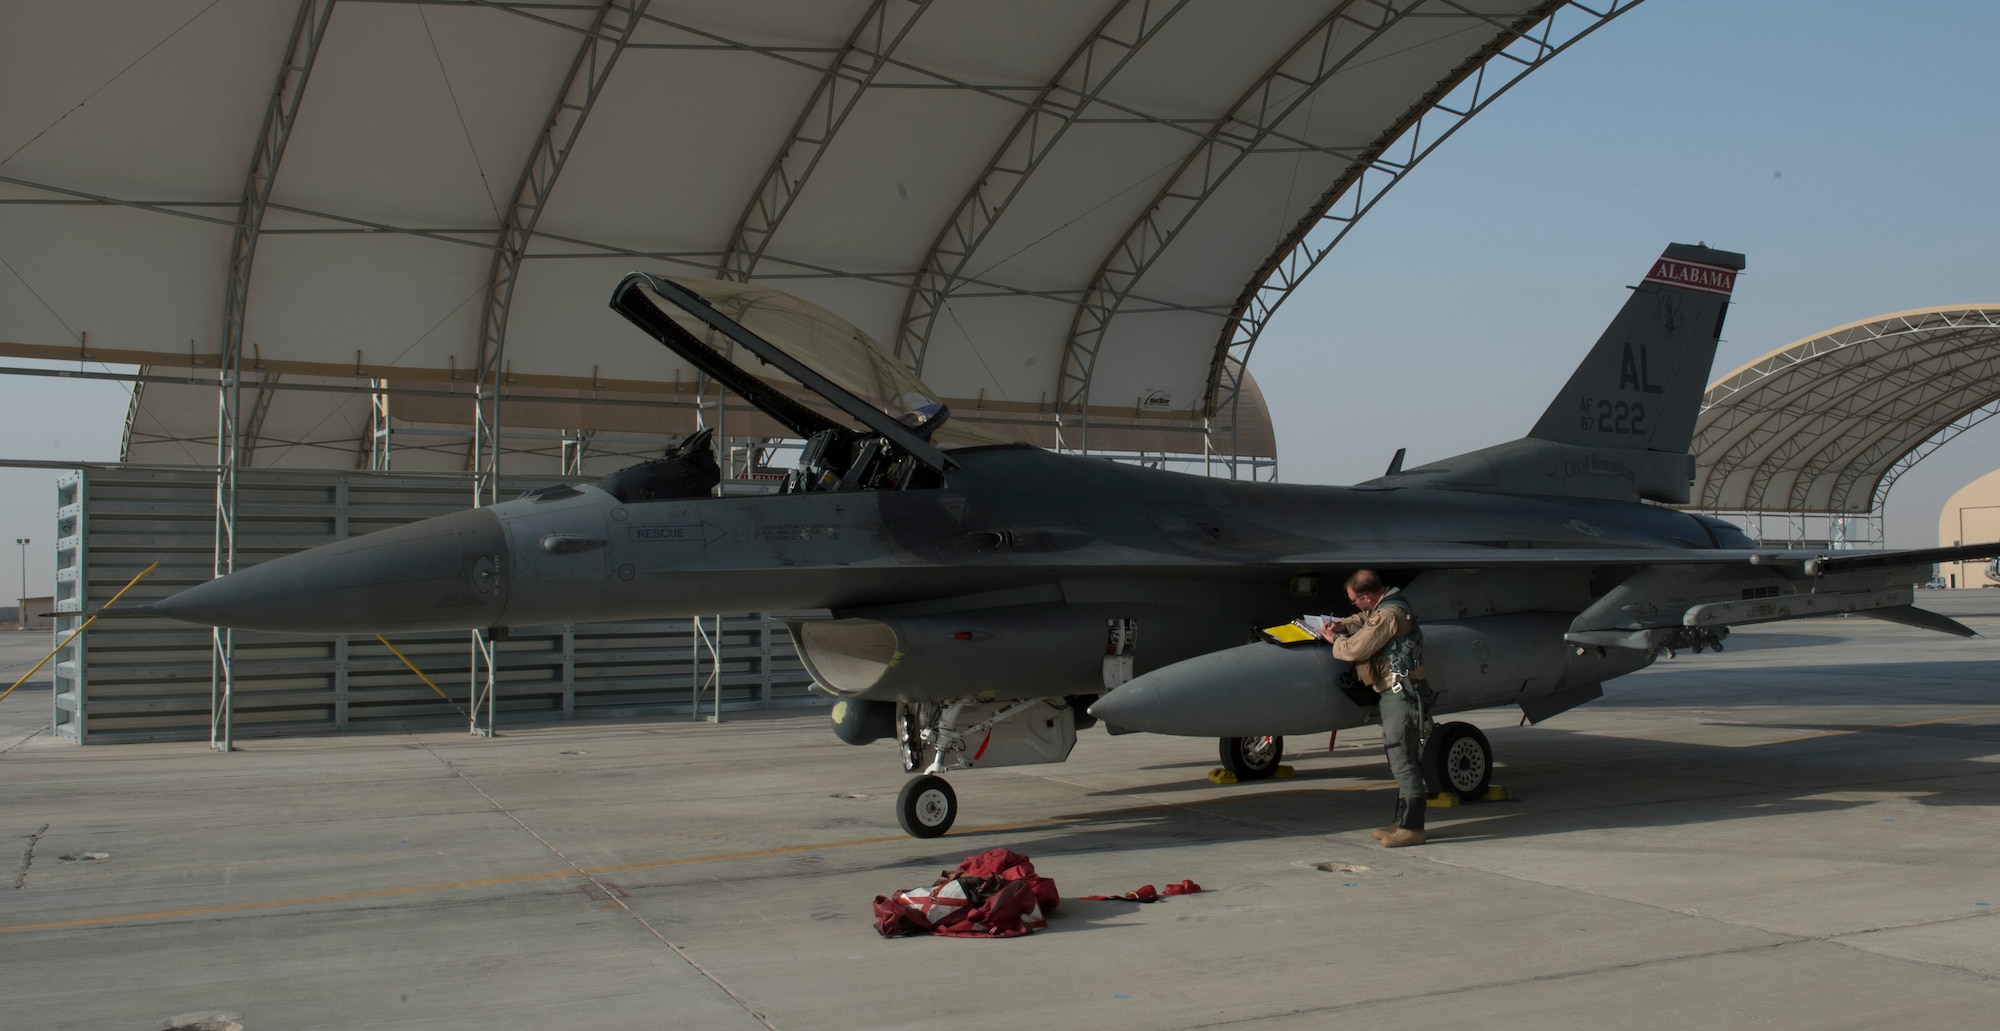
[(1849, 149)]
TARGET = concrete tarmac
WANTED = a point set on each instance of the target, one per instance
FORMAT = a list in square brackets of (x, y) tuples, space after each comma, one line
[(1797, 833)]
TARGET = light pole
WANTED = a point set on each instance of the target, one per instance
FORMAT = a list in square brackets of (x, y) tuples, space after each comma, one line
[(23, 611)]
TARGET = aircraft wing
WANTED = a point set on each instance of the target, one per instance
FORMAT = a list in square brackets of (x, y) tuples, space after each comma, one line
[(1675, 596), (1430, 555)]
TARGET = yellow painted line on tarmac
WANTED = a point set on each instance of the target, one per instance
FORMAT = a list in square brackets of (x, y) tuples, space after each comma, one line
[(240, 907), (1941, 719), (1808, 737), (1879, 726)]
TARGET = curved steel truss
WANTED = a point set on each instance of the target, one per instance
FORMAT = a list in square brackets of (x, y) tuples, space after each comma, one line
[(610, 30), (1090, 67), (847, 77), (1529, 43), (1324, 50), (1828, 424)]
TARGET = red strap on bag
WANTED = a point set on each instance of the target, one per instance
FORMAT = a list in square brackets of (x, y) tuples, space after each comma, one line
[(1148, 893)]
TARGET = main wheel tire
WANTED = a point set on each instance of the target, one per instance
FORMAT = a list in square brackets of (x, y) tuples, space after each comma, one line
[(1458, 759), (1252, 758), (927, 806)]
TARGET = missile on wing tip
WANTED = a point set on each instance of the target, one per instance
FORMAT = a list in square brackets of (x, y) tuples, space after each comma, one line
[(1252, 690), (443, 573)]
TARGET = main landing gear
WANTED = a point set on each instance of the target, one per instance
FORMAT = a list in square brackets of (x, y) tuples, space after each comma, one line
[(1252, 758), (1458, 759)]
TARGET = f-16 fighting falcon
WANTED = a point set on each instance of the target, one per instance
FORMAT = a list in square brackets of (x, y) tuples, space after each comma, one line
[(979, 602)]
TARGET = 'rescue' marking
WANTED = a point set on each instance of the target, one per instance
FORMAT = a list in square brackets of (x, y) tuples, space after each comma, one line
[(667, 534)]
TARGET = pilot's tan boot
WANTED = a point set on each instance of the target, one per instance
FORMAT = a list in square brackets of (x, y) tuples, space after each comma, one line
[(1394, 822), (1409, 829), (1402, 836)]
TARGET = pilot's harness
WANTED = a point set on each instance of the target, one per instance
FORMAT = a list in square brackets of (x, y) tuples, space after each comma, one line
[(1405, 657)]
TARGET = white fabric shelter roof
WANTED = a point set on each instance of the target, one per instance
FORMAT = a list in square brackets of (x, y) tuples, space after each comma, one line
[(1081, 210), (1827, 424)]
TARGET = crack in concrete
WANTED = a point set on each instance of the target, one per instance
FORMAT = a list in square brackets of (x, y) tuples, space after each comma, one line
[(614, 898), (28, 856), (39, 731), (1791, 937), (1503, 983)]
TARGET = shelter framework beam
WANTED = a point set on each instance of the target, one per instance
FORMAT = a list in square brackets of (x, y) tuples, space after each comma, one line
[(1323, 51), (1092, 65), (1532, 41), (1913, 395), (703, 262), (850, 74), (1944, 436), (610, 31)]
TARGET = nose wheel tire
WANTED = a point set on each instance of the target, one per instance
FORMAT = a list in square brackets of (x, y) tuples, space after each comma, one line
[(927, 806), (1458, 759), (1252, 758)]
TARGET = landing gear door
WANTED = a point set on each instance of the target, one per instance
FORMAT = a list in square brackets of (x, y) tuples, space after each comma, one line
[(1044, 733)]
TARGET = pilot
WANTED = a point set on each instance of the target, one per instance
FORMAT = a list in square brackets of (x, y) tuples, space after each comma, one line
[(1386, 648)]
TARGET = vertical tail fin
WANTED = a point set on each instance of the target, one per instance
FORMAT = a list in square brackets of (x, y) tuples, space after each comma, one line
[(1622, 426), (1640, 388)]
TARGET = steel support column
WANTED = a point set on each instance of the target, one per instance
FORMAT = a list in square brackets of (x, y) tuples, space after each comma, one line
[(700, 641), (302, 49), (485, 672), (610, 31), (574, 444), (375, 451), (607, 37)]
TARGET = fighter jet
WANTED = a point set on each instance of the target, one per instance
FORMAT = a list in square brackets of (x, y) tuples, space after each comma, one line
[(980, 601)]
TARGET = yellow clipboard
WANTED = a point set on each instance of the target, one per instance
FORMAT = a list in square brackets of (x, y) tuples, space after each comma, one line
[(1289, 634)]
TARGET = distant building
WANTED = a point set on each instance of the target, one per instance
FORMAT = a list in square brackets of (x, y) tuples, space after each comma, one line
[(1971, 516), (34, 609)]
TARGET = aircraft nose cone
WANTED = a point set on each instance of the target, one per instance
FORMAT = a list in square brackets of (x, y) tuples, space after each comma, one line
[(439, 574)]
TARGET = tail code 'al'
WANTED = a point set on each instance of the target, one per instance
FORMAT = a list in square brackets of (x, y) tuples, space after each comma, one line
[(1640, 388)]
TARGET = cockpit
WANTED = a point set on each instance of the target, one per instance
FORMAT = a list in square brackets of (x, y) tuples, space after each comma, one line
[(868, 423)]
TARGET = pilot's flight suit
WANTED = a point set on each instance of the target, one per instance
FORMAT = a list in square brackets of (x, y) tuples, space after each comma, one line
[(1373, 637)]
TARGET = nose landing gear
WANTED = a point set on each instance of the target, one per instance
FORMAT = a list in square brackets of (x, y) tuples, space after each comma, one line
[(964, 733), (927, 806)]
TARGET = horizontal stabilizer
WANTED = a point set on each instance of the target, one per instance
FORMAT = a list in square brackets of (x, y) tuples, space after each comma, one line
[(1922, 619), (1849, 561)]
